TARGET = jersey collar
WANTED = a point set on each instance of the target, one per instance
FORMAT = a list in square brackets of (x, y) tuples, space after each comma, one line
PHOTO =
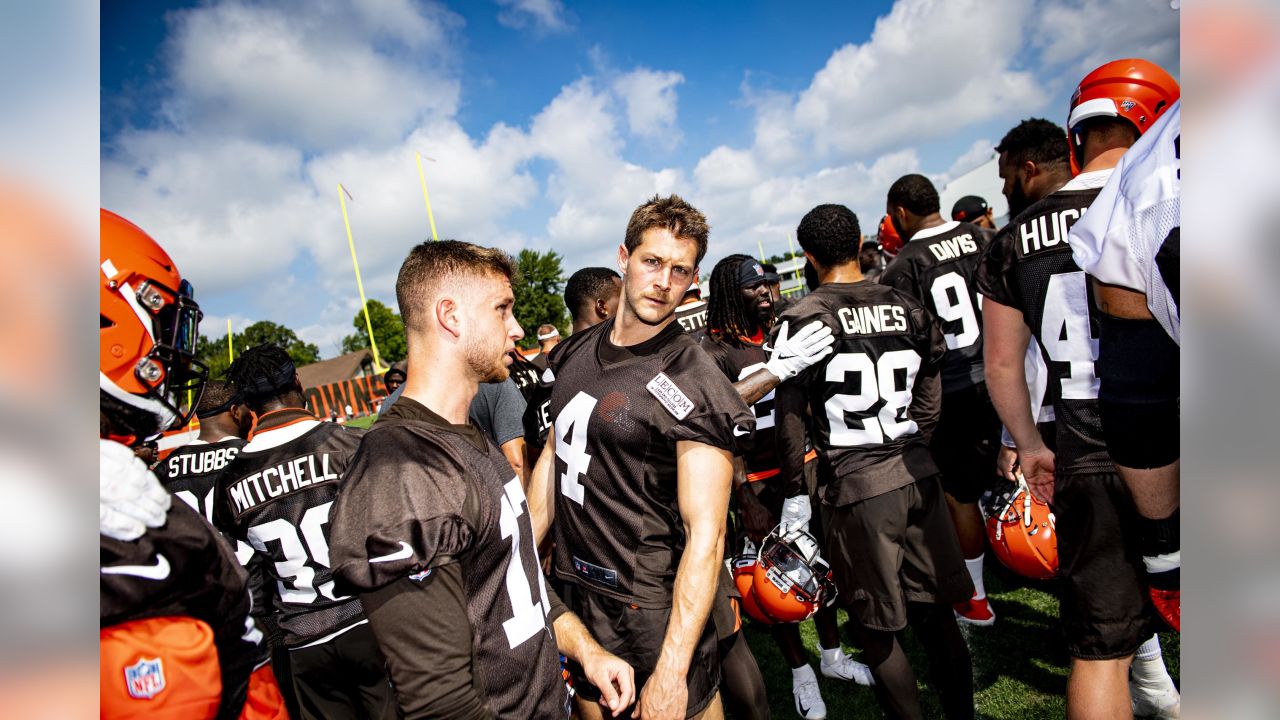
[(936, 230)]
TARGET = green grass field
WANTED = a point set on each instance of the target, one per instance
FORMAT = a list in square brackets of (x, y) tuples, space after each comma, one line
[(1020, 667), (362, 422)]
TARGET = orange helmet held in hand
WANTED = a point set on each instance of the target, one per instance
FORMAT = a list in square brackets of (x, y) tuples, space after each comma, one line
[(1020, 529), (744, 568), (1134, 89), (147, 334), (791, 581)]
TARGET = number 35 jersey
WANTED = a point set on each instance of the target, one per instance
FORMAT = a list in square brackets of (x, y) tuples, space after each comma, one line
[(876, 399), (617, 415), (1028, 266), (276, 497)]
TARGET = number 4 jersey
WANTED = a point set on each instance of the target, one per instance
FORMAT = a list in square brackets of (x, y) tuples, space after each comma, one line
[(876, 400), (618, 413), (1028, 266)]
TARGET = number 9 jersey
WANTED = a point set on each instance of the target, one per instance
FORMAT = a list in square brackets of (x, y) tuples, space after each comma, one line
[(876, 400)]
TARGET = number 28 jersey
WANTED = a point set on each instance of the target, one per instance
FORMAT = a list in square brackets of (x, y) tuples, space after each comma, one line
[(617, 416), (876, 399), (1028, 266)]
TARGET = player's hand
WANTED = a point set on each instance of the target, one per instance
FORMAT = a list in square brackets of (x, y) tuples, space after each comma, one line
[(664, 697), (615, 679), (756, 519), (796, 513), (130, 498), (793, 355), (1007, 463), (1037, 468)]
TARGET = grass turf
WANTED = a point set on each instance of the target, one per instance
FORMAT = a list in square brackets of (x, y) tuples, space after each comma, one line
[(1020, 666), (362, 422)]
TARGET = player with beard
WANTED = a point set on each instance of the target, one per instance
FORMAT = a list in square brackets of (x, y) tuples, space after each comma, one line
[(637, 472), (740, 313), (276, 496), (938, 265), (875, 403), (1033, 288), (870, 260), (176, 639)]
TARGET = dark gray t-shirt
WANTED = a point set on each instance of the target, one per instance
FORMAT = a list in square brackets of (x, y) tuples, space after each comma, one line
[(498, 410)]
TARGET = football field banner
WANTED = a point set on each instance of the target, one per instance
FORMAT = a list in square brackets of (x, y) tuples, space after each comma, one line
[(361, 393)]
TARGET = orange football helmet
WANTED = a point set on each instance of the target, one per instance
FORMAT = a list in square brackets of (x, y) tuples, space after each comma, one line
[(147, 333), (791, 581), (1134, 89), (1020, 529), (890, 241), (744, 568)]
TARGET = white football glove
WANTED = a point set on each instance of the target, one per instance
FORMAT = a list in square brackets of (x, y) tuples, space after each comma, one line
[(792, 355), (130, 498), (795, 514)]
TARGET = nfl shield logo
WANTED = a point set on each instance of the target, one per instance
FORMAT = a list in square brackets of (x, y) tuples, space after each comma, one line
[(145, 678)]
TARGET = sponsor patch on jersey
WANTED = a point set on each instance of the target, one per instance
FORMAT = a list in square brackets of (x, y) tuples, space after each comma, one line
[(671, 397), (145, 678), (596, 573)]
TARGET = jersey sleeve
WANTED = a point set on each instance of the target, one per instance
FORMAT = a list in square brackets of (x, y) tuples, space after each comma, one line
[(995, 270), (901, 274), (405, 507), (696, 389), (797, 317)]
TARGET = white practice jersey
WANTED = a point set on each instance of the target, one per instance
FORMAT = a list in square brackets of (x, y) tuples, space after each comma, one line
[(1131, 233)]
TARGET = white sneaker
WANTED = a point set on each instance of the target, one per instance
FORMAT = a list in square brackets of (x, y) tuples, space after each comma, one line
[(1162, 702), (846, 668), (809, 703)]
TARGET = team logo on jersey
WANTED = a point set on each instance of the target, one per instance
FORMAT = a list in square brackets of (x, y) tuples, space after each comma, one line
[(671, 397), (145, 678)]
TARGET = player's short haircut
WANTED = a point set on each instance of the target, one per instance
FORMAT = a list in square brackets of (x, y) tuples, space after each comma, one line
[(1035, 139), (544, 329), (830, 233), (915, 193), (673, 213), (588, 285), (218, 397), (1115, 129), (431, 264), (263, 373)]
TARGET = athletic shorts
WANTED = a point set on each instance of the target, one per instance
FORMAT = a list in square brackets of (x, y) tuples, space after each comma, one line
[(1106, 613), (635, 634), (965, 443), (892, 549)]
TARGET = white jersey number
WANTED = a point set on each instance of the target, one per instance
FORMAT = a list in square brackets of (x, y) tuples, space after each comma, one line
[(571, 444), (301, 586), (877, 380), (952, 299), (1065, 336), (763, 409), (529, 617)]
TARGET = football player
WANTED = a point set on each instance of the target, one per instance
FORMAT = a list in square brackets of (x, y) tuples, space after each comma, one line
[(938, 265), (1128, 244), (176, 638), (637, 472), (189, 471), (431, 527), (548, 338), (870, 259), (276, 497), (874, 403), (974, 210), (1033, 288), (692, 312), (739, 314)]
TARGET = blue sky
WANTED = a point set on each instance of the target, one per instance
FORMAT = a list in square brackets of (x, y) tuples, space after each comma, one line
[(226, 125)]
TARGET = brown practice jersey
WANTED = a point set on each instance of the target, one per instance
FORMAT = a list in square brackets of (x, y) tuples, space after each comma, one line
[(875, 400), (421, 495), (276, 497), (618, 414), (1028, 266), (184, 568), (692, 317), (537, 414), (191, 471), (939, 267), (737, 361)]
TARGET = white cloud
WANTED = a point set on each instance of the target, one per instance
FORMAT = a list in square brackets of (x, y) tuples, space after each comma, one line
[(542, 15), (1084, 34), (979, 152), (650, 98)]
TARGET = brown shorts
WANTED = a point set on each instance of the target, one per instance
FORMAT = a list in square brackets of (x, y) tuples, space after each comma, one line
[(1106, 612), (635, 634), (895, 548), (965, 443)]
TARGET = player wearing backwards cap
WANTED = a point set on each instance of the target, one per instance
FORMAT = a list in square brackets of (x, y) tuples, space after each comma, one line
[(974, 210), (176, 639), (1034, 288), (874, 403), (738, 320), (939, 266), (1128, 243), (276, 497)]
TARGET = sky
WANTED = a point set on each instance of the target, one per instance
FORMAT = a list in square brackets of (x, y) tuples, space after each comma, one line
[(226, 125)]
